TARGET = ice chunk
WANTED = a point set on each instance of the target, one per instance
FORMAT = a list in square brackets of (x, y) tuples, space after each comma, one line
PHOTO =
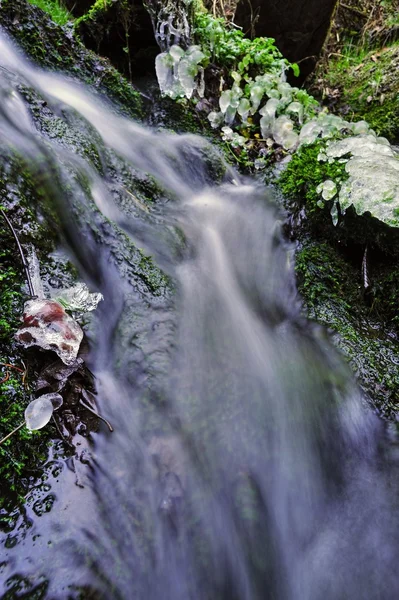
[(47, 325), (78, 298), (310, 132), (285, 92), (270, 107), (187, 71), (327, 189), (34, 272), (243, 108), (216, 119), (283, 133), (296, 108), (39, 412), (256, 93)]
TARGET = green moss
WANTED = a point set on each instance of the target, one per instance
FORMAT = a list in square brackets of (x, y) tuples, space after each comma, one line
[(305, 172), (98, 7), (58, 13), (155, 279)]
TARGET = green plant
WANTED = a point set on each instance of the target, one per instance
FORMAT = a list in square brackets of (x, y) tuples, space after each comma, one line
[(55, 9)]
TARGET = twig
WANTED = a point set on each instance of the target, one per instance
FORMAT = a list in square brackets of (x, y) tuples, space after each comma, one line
[(12, 432), (12, 366), (355, 10), (96, 413), (6, 378), (21, 252)]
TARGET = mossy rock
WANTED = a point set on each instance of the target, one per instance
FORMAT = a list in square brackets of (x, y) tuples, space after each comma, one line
[(56, 48), (363, 327), (123, 32)]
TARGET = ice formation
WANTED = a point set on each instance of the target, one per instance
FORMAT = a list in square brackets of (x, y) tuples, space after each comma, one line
[(39, 412), (47, 325), (78, 298)]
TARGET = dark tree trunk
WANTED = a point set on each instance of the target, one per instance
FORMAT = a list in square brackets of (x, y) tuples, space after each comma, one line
[(298, 26)]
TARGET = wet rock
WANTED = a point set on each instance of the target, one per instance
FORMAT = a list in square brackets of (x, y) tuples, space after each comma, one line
[(57, 48), (123, 32)]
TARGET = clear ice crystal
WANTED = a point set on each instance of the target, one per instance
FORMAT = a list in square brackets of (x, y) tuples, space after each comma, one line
[(39, 412)]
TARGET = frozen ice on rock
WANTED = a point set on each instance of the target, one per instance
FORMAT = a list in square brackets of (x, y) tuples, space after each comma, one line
[(257, 93), (296, 108), (39, 412), (216, 119), (47, 325), (327, 189), (79, 298), (373, 169), (284, 134), (359, 145), (244, 108), (310, 132)]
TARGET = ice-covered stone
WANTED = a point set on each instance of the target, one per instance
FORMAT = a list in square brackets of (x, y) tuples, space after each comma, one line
[(47, 325), (373, 169), (38, 412)]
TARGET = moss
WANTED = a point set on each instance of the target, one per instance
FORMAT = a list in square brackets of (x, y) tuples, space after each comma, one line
[(305, 172), (155, 279), (55, 9)]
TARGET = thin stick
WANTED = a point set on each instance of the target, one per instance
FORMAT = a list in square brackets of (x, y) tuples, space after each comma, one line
[(21, 252), (12, 432), (96, 413), (12, 366)]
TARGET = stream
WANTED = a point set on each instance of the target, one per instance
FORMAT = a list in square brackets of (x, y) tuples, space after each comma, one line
[(244, 462)]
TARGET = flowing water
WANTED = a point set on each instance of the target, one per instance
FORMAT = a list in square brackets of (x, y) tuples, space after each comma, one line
[(243, 463)]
